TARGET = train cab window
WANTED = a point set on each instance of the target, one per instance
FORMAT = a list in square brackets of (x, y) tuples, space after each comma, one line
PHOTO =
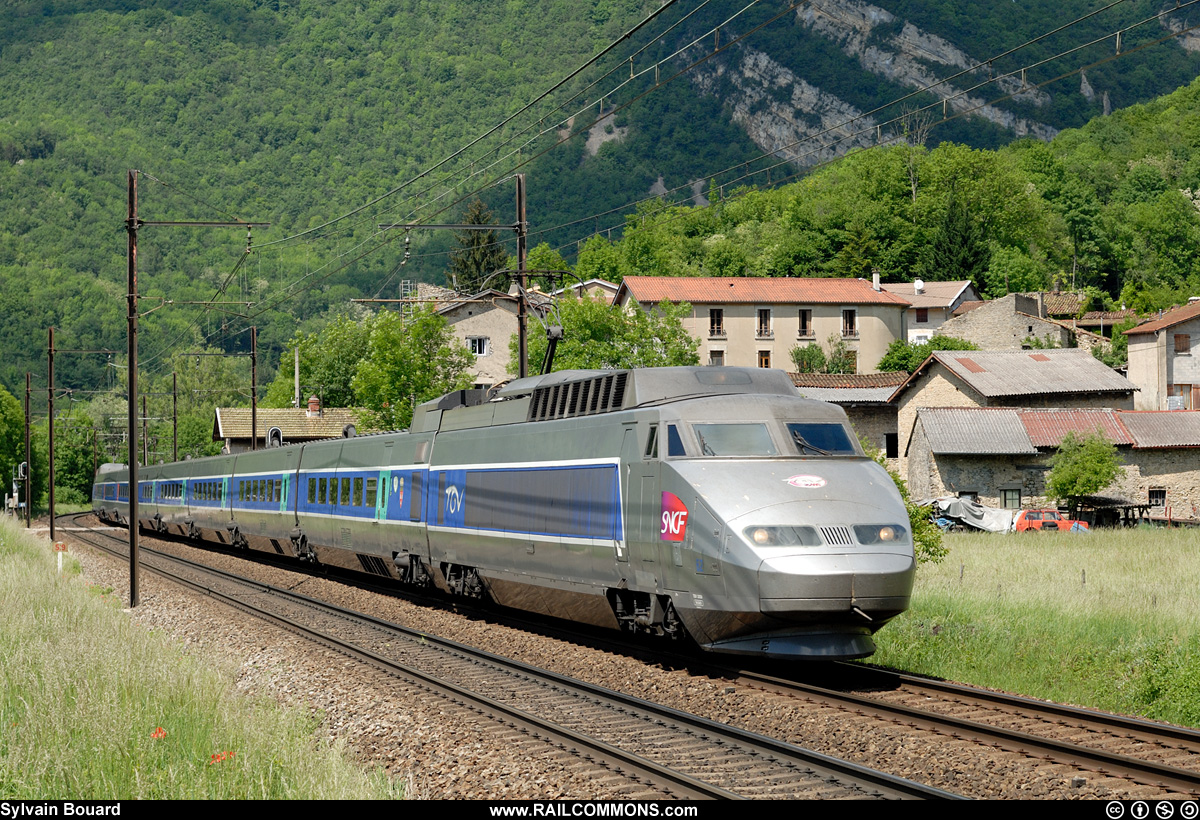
[(358, 488), (821, 439), (734, 440), (652, 442), (675, 441)]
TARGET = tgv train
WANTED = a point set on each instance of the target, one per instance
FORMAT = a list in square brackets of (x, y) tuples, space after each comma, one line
[(707, 501)]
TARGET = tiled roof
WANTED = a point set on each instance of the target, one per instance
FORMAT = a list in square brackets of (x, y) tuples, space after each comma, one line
[(234, 422), (848, 379), (1031, 372), (1108, 317), (975, 431), (754, 290), (1061, 304), (1162, 428), (1168, 319), (967, 307), (932, 295), (1047, 428)]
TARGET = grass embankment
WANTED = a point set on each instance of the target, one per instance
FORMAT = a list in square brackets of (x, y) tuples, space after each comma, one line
[(92, 706), (1110, 619)]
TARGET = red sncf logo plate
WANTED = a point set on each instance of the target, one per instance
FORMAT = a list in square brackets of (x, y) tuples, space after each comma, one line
[(674, 518)]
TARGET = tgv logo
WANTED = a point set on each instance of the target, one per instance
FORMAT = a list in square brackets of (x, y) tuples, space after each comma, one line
[(674, 518), (453, 500)]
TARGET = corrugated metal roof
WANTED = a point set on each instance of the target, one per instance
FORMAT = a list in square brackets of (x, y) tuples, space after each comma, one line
[(848, 395), (1024, 373), (1162, 428), (754, 290), (1168, 319), (234, 422), (1047, 428), (932, 295), (975, 431)]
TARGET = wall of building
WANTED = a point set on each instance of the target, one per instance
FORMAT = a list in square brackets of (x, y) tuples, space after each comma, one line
[(497, 323), (878, 326), (1155, 365), (997, 325)]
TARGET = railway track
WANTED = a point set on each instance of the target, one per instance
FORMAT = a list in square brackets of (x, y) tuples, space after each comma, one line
[(657, 748)]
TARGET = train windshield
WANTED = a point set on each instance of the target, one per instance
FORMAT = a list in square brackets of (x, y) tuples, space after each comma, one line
[(821, 439), (734, 440)]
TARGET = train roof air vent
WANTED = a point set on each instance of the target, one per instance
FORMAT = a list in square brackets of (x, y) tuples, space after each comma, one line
[(584, 397)]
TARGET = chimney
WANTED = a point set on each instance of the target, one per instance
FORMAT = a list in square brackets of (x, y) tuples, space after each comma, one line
[(1041, 305), (875, 279), (314, 407)]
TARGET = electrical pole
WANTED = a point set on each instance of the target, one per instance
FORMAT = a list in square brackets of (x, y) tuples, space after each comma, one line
[(50, 402), (254, 388), (522, 308), (28, 455), (131, 226)]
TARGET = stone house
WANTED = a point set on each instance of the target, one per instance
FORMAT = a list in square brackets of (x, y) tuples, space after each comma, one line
[(756, 321), (933, 304), (1001, 455), (484, 322), (1162, 361), (1069, 378)]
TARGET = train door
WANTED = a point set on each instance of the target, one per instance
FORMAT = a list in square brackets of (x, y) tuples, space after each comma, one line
[(644, 499)]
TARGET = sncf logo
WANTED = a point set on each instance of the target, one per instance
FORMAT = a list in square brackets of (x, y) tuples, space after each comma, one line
[(674, 518)]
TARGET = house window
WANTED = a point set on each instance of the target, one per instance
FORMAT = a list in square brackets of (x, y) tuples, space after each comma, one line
[(716, 358), (1158, 497), (850, 323), (764, 358), (806, 328), (763, 326), (922, 315), (1183, 344), (478, 344), (716, 322), (1184, 394), (1010, 499), (891, 445)]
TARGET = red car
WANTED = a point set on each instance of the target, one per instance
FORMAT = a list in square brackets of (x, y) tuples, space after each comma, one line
[(1047, 520)]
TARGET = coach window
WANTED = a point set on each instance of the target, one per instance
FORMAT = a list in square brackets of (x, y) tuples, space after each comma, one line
[(372, 491), (358, 496), (312, 491), (345, 491), (321, 492)]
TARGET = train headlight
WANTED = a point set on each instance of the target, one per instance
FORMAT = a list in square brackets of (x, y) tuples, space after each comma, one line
[(782, 536), (877, 534)]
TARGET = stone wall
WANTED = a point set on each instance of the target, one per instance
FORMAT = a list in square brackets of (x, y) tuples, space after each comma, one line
[(998, 325)]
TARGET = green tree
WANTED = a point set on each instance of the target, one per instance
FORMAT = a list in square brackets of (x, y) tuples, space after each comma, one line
[(409, 362), (597, 336), (1082, 467), (328, 361), (809, 358), (479, 254), (906, 356)]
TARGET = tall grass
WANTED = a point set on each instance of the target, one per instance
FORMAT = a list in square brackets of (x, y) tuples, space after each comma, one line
[(92, 706), (1110, 619)]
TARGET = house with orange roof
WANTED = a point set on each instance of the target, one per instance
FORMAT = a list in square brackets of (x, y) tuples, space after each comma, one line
[(749, 321)]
